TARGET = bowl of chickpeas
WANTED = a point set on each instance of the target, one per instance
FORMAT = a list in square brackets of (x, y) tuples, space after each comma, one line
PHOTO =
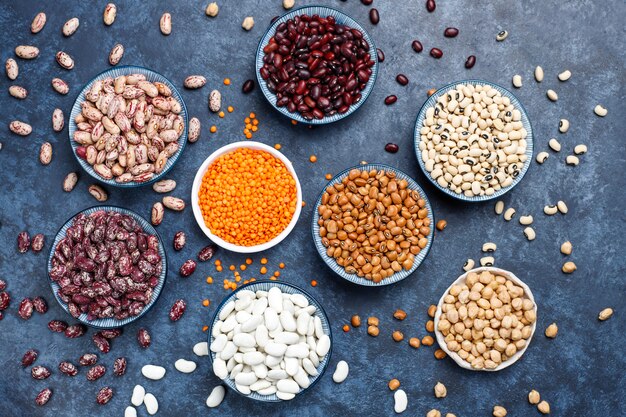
[(486, 319), (246, 197)]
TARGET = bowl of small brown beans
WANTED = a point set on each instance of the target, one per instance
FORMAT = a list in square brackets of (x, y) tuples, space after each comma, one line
[(486, 319), (316, 65), (128, 126), (373, 225)]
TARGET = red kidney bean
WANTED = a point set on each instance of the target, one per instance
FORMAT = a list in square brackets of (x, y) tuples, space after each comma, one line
[(119, 366), (431, 5), (470, 62), (37, 243), (96, 372), (450, 32), (3, 285), (101, 342), (88, 359), (389, 100), (104, 395), (367, 2), (75, 330), (105, 258), (68, 368), (23, 242), (247, 87), (177, 310), (5, 300), (43, 397), (391, 147), (40, 372), (417, 46), (25, 310), (374, 16), (143, 337), (179, 240), (436, 53), (402, 79), (275, 18), (316, 51), (380, 55), (57, 326), (29, 357), (207, 253), (40, 305), (187, 268), (110, 333)]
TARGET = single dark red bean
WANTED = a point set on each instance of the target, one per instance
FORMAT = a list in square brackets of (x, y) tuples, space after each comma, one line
[(417, 46), (275, 18), (471, 61), (247, 87), (450, 32), (380, 55), (367, 2), (391, 147), (402, 79), (431, 5), (389, 100), (374, 16), (436, 53)]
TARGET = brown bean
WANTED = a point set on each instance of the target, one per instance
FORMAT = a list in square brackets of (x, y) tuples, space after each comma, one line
[(417, 46), (450, 32), (439, 354), (431, 5), (432, 309), (374, 16), (380, 55), (373, 331), (389, 100), (427, 341), (436, 53), (355, 321), (441, 224), (399, 315), (247, 87), (414, 342), (391, 148), (397, 336), (470, 62), (393, 384), (402, 79)]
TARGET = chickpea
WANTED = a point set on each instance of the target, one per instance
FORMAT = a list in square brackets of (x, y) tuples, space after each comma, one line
[(499, 411), (543, 407), (441, 224), (399, 314), (552, 330), (430, 326), (534, 397), (414, 342), (372, 321), (355, 321), (427, 341), (394, 384), (432, 309), (440, 354), (373, 331), (398, 336)]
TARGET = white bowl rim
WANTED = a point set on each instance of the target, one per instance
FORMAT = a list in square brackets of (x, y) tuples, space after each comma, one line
[(441, 340), (198, 213)]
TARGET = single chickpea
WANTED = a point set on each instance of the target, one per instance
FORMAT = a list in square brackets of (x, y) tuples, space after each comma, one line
[(432, 309), (373, 331), (372, 321), (430, 326), (394, 384), (399, 315), (441, 224), (439, 354), (414, 342), (398, 336), (355, 321), (427, 341)]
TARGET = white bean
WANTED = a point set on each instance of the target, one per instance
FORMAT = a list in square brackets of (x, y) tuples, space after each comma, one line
[(499, 207), (130, 411), (562, 207), (341, 372), (580, 149), (572, 160), (400, 401), (152, 405), (554, 145), (565, 75), (138, 393), (552, 95), (509, 213), (600, 111), (526, 220), (517, 81), (539, 74), (201, 349), (153, 372), (216, 396), (185, 366), (563, 125), (542, 157)]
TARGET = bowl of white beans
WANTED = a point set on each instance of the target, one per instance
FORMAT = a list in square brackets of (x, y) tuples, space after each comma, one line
[(486, 319), (473, 140), (269, 341)]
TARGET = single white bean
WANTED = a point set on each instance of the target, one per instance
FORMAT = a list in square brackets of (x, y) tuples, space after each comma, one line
[(400, 401), (216, 396), (153, 372), (185, 366), (201, 349), (539, 74), (562, 207), (552, 95), (341, 372), (572, 160), (138, 393), (526, 220), (600, 111), (565, 75), (152, 405), (554, 145), (517, 81), (130, 411)]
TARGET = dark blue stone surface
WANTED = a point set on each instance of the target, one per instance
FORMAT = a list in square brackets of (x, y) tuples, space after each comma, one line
[(581, 372)]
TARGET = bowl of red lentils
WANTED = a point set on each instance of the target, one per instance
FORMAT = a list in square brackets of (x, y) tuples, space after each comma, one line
[(246, 197)]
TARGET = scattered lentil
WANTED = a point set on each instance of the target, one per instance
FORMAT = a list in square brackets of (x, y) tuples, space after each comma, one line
[(346, 328), (313, 283), (329, 176)]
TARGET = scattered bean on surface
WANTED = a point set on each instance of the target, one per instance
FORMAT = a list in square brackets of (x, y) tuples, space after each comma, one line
[(212, 9), (552, 95), (563, 125), (543, 407), (554, 145), (509, 213), (605, 314), (542, 157), (469, 265), (440, 390), (39, 21), (600, 111), (569, 267), (565, 75), (248, 23), (539, 74), (572, 160), (400, 401), (502, 35), (165, 24), (534, 397), (529, 232)]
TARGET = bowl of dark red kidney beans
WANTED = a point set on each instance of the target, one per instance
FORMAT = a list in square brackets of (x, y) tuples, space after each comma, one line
[(316, 65), (107, 266)]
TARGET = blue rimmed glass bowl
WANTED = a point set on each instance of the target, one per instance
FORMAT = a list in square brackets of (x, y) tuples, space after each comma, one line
[(110, 323), (340, 18), (432, 100), (152, 76), (265, 285), (354, 278)]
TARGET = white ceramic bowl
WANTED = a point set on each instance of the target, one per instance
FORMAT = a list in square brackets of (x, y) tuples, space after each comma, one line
[(198, 181), (441, 340)]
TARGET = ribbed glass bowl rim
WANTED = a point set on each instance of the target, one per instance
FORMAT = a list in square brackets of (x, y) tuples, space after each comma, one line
[(284, 287), (432, 100), (109, 323), (337, 269), (125, 70), (323, 11)]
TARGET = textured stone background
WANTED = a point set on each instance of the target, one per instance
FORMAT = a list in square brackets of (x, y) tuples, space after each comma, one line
[(581, 372)]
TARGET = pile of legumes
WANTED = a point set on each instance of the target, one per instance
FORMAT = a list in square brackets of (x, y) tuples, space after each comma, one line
[(487, 319), (128, 128), (269, 342), (315, 66), (373, 224), (106, 266), (247, 197), (473, 141)]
